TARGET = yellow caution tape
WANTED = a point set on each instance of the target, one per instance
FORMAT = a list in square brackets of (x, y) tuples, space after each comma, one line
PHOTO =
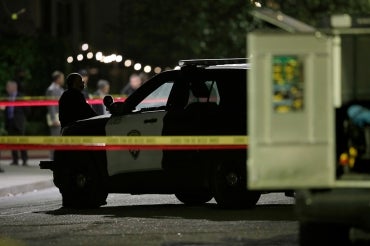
[(125, 140)]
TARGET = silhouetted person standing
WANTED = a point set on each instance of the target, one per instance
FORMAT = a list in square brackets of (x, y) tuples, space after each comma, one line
[(15, 120), (85, 78), (72, 104), (103, 90), (55, 91), (134, 83)]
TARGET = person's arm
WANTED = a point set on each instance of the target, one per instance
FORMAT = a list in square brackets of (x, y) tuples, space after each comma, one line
[(90, 112), (86, 110), (53, 110)]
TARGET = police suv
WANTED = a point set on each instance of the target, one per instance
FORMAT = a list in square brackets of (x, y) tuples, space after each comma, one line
[(203, 98)]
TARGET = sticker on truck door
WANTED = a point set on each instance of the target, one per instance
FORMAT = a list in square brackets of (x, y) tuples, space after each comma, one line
[(288, 86)]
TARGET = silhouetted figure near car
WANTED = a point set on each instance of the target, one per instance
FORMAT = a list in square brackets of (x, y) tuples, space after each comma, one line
[(54, 91), (72, 104), (101, 92), (15, 120), (134, 83), (85, 78)]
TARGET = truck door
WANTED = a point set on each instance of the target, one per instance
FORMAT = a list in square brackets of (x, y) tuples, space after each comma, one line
[(145, 120), (291, 111)]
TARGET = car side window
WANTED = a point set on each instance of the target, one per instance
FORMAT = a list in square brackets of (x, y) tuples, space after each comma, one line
[(157, 99), (204, 92)]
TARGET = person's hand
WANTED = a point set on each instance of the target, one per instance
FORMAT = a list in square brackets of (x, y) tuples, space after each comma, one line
[(56, 123)]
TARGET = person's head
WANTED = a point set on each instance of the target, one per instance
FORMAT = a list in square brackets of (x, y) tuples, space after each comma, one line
[(11, 87), (103, 86), (58, 77), (74, 81), (135, 81), (144, 77), (85, 75)]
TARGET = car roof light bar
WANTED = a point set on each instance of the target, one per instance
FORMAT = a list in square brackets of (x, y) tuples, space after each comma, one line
[(211, 62)]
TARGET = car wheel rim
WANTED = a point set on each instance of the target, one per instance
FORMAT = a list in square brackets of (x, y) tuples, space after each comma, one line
[(232, 179), (81, 181)]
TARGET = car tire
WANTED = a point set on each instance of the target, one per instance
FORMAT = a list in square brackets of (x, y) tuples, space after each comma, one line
[(318, 233), (194, 198), (229, 187), (82, 185)]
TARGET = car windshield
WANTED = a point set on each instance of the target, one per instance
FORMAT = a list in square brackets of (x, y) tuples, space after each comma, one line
[(158, 98)]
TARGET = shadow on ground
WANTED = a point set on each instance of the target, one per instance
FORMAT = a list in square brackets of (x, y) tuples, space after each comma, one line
[(208, 212)]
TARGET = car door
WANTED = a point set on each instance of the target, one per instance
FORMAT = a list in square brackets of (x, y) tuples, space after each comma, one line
[(145, 120)]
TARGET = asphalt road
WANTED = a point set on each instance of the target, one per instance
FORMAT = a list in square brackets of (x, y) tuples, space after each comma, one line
[(37, 219)]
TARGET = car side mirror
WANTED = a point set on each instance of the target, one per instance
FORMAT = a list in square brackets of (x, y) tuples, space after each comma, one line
[(120, 108), (108, 101), (116, 108)]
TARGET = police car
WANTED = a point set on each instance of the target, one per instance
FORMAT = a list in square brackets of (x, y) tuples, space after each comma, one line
[(202, 98)]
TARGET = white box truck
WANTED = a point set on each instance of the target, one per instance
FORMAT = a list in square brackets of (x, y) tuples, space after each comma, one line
[(301, 137)]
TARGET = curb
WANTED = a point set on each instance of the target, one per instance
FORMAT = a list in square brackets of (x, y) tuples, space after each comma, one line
[(13, 190)]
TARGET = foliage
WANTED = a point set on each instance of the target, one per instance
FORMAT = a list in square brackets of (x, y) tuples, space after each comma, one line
[(13, 58), (30, 61), (164, 31), (314, 11)]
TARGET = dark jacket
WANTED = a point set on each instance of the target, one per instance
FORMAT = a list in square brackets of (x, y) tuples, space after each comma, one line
[(73, 107), (18, 122)]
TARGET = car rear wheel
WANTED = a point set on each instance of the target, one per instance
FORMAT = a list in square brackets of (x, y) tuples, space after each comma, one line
[(81, 182), (194, 198), (229, 187)]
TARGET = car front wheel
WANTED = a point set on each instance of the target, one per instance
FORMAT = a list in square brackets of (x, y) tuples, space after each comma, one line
[(81, 182)]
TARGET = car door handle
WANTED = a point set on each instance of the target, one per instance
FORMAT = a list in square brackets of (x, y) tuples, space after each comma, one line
[(148, 121)]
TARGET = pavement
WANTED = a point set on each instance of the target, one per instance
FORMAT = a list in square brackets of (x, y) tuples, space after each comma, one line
[(22, 179)]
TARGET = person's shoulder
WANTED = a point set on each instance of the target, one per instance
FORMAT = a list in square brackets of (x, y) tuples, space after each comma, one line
[(53, 86), (71, 93), (66, 93)]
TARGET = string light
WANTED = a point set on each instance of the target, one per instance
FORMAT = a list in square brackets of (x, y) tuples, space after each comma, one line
[(147, 69), (80, 57), (119, 58), (109, 58), (98, 56), (85, 47), (157, 70), (89, 55), (128, 63), (137, 66)]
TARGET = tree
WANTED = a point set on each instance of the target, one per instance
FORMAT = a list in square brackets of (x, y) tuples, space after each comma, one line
[(314, 11), (162, 32)]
